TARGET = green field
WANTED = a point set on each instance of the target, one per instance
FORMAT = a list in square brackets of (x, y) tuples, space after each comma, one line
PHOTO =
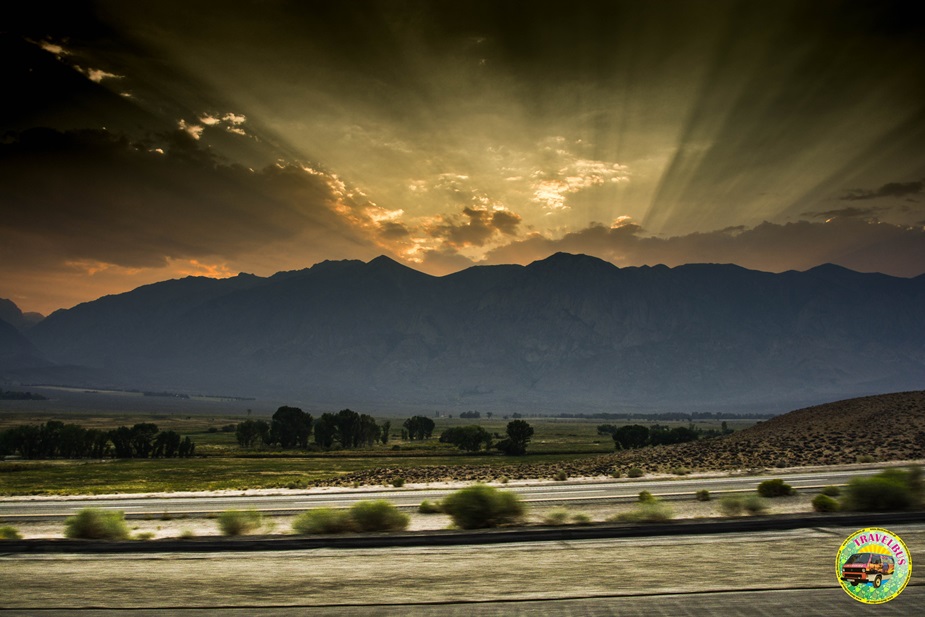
[(221, 464)]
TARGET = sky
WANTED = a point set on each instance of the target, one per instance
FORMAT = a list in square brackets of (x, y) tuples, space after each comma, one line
[(143, 141)]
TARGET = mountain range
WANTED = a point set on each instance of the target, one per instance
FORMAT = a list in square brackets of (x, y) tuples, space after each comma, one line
[(569, 333)]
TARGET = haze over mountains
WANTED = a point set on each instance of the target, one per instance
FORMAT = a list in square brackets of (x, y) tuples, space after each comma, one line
[(569, 333)]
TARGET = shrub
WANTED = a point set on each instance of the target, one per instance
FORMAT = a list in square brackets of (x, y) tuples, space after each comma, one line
[(378, 515), (680, 471), (187, 534), (323, 520), (96, 524), (480, 506), (866, 458), (754, 504), (560, 476), (504, 480), (824, 503), (888, 491), (398, 482), (646, 497), (429, 507), (731, 505), (581, 519), (775, 488), (9, 533), (239, 522), (616, 473), (702, 495), (656, 512), (634, 472), (831, 491), (557, 516), (144, 535)]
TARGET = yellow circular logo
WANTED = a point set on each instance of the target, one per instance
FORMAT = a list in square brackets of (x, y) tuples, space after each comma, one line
[(873, 565)]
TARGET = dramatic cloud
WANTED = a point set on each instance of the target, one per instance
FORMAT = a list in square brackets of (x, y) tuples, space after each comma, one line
[(852, 243), (453, 133), (93, 202), (892, 189), (478, 227)]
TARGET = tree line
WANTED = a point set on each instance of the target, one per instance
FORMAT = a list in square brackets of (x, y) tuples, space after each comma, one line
[(632, 436), (290, 427), (472, 438), (55, 439)]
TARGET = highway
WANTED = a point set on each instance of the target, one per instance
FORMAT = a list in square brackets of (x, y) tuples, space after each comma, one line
[(750, 574), (289, 502)]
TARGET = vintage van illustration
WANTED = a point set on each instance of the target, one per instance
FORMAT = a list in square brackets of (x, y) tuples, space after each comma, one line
[(871, 568)]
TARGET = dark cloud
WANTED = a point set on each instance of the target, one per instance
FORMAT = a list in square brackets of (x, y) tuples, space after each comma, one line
[(850, 242), (850, 212), (476, 227), (892, 189), (92, 196)]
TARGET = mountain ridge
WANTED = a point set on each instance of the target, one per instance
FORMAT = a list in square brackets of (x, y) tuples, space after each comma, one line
[(564, 333)]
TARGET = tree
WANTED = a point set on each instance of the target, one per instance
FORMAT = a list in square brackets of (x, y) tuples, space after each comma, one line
[(290, 427), (251, 432), (325, 429), (518, 436), (469, 438), (187, 448), (631, 436), (167, 444), (384, 432), (347, 425), (142, 439), (606, 429), (419, 427)]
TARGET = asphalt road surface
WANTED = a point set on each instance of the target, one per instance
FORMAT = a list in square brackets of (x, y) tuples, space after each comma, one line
[(757, 574), (559, 493)]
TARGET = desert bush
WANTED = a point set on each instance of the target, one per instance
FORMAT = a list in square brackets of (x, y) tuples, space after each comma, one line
[(378, 515), (429, 507), (481, 506), (831, 491), (144, 535), (239, 522), (680, 471), (8, 532), (398, 482), (775, 488), (731, 505), (560, 476), (504, 480), (824, 503), (652, 512), (581, 519), (616, 473), (890, 490), (187, 534), (634, 472), (754, 504), (866, 458), (647, 497), (702, 495), (556, 516), (323, 520), (96, 524)]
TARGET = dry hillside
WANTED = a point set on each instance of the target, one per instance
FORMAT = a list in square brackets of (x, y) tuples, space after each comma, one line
[(888, 427)]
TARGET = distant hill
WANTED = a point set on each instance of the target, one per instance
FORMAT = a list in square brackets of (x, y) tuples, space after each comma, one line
[(569, 333), (888, 427), (11, 314)]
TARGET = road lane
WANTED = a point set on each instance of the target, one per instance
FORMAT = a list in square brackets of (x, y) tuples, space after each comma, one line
[(581, 492), (564, 577)]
